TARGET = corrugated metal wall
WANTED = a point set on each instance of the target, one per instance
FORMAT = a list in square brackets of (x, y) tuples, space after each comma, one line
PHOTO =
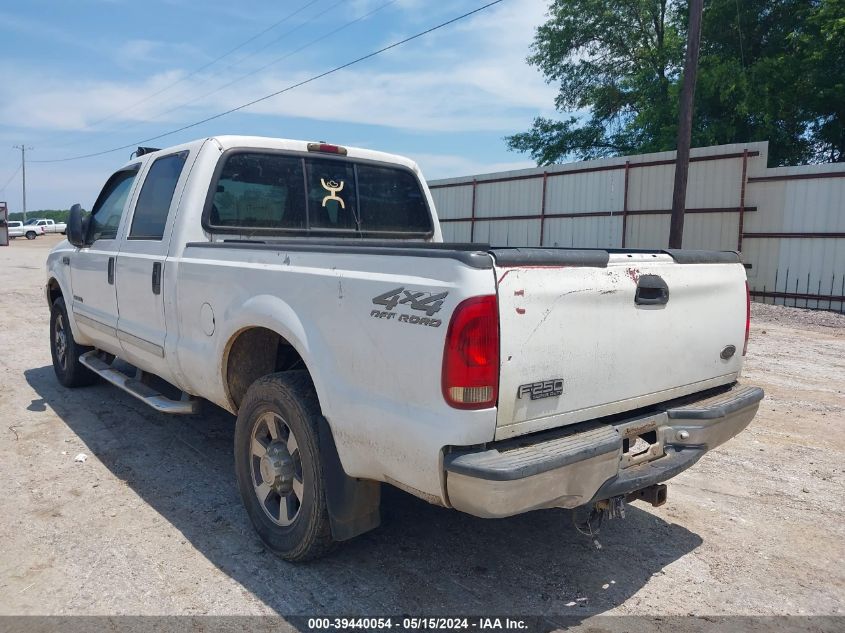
[(791, 219)]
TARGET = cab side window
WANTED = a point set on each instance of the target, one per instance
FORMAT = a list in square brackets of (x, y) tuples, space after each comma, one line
[(153, 204), (105, 217)]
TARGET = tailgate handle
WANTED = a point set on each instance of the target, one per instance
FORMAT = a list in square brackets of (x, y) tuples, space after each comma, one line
[(651, 291)]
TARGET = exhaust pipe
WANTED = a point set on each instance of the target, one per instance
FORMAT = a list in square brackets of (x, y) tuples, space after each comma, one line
[(654, 494)]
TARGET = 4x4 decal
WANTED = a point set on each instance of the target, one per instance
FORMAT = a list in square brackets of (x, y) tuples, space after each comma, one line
[(419, 300)]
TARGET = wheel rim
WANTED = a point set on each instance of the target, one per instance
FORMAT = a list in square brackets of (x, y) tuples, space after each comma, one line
[(60, 339), (276, 468)]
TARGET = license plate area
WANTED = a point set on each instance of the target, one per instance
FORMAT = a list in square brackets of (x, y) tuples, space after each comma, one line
[(642, 440)]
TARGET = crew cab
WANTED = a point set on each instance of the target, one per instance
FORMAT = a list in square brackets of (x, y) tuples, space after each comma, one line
[(48, 226), (19, 229), (305, 288)]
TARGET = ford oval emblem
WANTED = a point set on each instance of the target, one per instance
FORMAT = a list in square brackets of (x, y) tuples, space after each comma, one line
[(729, 351)]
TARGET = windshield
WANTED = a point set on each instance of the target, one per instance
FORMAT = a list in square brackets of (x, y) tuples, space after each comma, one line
[(32, 221)]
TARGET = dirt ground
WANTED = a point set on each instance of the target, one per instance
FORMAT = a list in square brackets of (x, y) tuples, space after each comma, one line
[(151, 522)]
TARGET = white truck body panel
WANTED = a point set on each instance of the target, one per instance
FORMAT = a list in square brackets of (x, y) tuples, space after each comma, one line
[(582, 326), (373, 376)]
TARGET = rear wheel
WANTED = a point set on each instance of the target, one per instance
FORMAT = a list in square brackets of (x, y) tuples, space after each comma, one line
[(30, 235), (65, 351), (277, 463)]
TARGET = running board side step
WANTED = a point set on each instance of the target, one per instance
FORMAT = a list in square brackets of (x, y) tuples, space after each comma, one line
[(134, 387)]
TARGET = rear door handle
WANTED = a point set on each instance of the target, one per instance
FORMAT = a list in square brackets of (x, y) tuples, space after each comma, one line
[(111, 271), (156, 278), (651, 291)]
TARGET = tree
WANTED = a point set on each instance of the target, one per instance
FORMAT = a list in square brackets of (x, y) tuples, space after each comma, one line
[(825, 50), (769, 70), (50, 214)]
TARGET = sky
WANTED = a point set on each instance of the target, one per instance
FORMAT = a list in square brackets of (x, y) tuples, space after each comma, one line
[(92, 75)]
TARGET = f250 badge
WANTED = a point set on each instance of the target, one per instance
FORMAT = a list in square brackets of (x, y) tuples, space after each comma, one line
[(419, 300), (542, 389)]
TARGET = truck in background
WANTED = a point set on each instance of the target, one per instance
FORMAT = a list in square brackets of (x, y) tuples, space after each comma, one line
[(48, 226)]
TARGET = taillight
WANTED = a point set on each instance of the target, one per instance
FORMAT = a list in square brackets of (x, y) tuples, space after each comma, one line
[(747, 318), (327, 148), (471, 354)]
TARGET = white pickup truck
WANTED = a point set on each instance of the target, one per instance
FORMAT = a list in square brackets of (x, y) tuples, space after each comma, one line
[(305, 288), (48, 226), (19, 229)]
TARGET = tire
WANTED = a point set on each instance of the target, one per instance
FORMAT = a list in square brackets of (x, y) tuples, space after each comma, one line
[(281, 482), (65, 350), (30, 235)]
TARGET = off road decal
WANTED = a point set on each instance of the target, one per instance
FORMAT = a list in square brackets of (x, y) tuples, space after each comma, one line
[(420, 300)]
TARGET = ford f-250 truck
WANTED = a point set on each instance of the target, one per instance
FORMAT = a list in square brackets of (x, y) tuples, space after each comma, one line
[(305, 288)]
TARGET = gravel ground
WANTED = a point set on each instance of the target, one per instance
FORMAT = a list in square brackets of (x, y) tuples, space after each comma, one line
[(151, 522), (816, 320)]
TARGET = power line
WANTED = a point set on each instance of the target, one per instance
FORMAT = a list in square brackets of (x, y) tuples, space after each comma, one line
[(22, 147), (277, 60), (282, 91), (254, 52), (201, 68), (8, 182), (181, 105)]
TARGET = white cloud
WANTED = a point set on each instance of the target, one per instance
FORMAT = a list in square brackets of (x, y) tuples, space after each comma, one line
[(144, 51), (45, 101), (469, 76)]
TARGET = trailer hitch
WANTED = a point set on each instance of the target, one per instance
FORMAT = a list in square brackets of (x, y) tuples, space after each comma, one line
[(614, 508), (654, 494)]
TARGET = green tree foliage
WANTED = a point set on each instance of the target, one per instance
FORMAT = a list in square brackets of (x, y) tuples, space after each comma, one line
[(57, 215), (769, 70)]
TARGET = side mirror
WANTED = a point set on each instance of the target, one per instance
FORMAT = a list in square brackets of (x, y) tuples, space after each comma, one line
[(75, 228)]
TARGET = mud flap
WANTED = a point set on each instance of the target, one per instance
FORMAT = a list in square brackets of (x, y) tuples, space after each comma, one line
[(353, 503)]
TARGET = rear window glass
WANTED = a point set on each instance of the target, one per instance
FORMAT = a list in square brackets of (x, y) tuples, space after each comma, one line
[(259, 191), (316, 194), (391, 200)]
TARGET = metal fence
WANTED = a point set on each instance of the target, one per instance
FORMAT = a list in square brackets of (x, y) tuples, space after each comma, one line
[(788, 222)]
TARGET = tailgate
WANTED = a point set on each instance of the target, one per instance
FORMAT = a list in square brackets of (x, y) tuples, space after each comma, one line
[(586, 334)]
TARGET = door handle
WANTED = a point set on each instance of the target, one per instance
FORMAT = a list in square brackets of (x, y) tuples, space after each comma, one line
[(156, 278), (111, 270), (651, 291)]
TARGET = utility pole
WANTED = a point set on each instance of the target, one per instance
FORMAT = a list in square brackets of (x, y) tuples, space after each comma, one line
[(679, 194), (23, 149)]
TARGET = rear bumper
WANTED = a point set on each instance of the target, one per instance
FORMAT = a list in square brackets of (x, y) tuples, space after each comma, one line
[(587, 462)]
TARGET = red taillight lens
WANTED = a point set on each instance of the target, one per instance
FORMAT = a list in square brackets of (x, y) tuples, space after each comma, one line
[(747, 318), (471, 355), (327, 148)]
